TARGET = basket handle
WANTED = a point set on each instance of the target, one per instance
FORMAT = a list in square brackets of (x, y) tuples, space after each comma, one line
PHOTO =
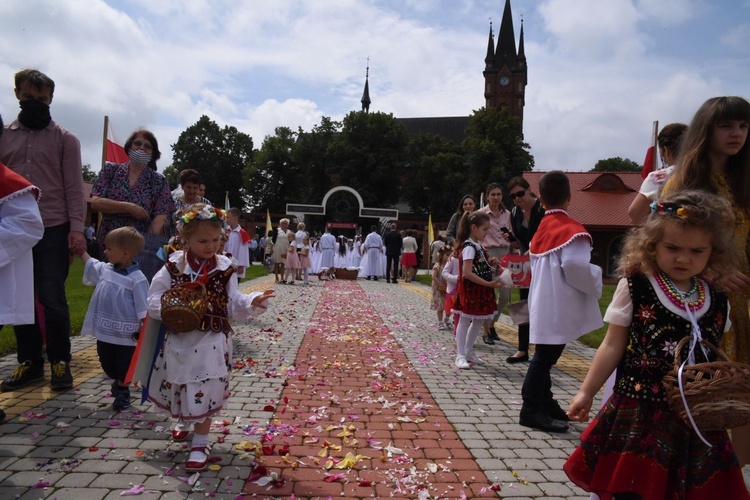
[(721, 355), (195, 285)]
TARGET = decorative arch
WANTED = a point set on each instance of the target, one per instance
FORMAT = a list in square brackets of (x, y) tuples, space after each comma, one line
[(343, 188), (300, 210)]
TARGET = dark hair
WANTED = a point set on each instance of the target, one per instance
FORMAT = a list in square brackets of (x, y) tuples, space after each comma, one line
[(554, 188), (342, 245), (270, 233), (373, 228), (693, 168), (490, 187), (234, 211), (671, 136), (475, 218), (518, 181), (190, 175), (155, 153), (36, 79), (460, 209)]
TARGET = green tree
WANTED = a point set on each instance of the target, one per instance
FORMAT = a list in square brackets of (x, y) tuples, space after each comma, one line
[(368, 155), (313, 152), (616, 164), (435, 170), (88, 174), (219, 155), (172, 175), (273, 178), (494, 148)]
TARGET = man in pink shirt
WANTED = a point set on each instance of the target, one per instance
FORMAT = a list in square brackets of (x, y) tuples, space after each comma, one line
[(497, 245), (49, 157)]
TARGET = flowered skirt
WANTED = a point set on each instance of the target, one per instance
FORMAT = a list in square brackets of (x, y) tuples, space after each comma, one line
[(637, 447), (190, 379), (438, 299), (478, 301)]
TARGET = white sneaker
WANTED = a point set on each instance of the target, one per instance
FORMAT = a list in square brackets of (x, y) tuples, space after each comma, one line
[(473, 358), (462, 363)]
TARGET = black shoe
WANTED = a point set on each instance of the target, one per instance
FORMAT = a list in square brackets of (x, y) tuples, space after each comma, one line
[(395, 282), (61, 379), (517, 359), (543, 422), (555, 412), (2, 416), (122, 397), (368, 278), (23, 375), (387, 280), (493, 334), (375, 278), (488, 340)]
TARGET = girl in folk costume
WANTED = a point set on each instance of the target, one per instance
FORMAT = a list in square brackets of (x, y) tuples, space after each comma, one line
[(439, 287), (476, 298), (190, 378), (304, 258), (292, 259), (635, 448)]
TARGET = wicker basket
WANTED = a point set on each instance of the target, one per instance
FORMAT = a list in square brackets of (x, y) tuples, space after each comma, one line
[(183, 307), (346, 274), (717, 392)]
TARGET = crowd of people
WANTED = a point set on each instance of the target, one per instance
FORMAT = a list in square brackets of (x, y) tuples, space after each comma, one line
[(683, 270)]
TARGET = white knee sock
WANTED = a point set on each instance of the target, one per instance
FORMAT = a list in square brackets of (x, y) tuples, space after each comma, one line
[(472, 334), (462, 331)]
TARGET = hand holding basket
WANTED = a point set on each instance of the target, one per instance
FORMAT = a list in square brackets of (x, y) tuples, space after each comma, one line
[(183, 307)]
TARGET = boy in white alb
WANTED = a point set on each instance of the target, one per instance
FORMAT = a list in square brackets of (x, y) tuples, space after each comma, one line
[(21, 228), (563, 300), (238, 243), (118, 306)]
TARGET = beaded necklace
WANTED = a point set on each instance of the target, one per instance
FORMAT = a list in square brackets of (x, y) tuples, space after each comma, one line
[(679, 298)]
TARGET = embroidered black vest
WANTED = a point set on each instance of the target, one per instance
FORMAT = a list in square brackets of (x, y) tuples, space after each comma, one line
[(215, 318), (480, 265), (654, 334)]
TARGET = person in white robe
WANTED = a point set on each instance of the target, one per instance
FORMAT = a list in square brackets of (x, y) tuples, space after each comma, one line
[(327, 249), (373, 251)]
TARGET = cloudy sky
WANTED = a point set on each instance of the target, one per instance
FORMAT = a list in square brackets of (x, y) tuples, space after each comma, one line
[(600, 71)]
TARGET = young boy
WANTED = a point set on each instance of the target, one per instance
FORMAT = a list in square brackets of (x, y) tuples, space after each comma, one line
[(21, 228), (563, 299), (117, 307), (237, 245)]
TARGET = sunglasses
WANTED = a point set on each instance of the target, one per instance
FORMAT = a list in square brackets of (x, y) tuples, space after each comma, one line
[(517, 194)]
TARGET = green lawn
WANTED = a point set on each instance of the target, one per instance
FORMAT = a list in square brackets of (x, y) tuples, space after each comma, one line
[(78, 300), (592, 339)]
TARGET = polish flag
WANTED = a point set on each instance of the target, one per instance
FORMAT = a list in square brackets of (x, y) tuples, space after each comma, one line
[(115, 152), (649, 163)]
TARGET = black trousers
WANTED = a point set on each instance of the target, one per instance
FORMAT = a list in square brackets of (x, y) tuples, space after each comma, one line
[(537, 386), (115, 359), (51, 265), (523, 330), (392, 260)]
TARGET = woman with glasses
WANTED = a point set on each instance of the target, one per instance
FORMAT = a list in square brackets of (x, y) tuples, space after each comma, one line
[(524, 219), (133, 193)]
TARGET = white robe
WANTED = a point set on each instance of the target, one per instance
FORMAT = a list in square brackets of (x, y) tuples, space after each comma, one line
[(564, 294), (20, 229), (327, 250), (373, 251)]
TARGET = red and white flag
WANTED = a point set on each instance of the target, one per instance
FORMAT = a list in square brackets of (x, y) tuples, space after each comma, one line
[(649, 163), (115, 153)]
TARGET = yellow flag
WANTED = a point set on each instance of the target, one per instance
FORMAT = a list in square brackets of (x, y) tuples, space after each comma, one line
[(269, 226), (430, 232)]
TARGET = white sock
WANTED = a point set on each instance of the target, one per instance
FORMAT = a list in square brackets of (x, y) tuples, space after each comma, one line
[(472, 334), (199, 441), (461, 332)]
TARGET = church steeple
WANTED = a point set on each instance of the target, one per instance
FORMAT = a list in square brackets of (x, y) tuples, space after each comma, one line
[(366, 94), (490, 49), (505, 69)]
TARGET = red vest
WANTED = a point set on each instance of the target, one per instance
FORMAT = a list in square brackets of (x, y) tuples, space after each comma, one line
[(555, 231), (13, 184)]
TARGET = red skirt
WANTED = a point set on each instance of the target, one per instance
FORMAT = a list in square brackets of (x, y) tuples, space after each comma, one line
[(409, 259), (637, 447), (478, 301)]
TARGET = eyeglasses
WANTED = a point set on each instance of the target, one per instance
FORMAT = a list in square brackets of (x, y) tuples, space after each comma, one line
[(146, 145), (517, 194)]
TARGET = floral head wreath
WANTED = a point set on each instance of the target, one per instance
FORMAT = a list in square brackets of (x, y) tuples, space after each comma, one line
[(674, 210), (207, 213)]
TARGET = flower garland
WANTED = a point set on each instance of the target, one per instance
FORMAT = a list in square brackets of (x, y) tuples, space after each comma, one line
[(206, 213)]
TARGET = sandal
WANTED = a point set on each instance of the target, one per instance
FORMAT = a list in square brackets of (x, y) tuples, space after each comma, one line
[(197, 465)]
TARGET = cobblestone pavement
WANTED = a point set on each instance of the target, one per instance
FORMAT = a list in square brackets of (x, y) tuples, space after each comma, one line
[(296, 368)]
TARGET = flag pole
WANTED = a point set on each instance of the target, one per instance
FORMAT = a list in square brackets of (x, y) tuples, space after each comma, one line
[(104, 140)]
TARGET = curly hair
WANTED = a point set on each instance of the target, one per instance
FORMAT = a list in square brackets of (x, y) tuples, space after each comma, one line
[(688, 209)]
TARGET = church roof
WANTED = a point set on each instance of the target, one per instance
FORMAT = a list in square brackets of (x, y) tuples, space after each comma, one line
[(452, 128), (598, 199)]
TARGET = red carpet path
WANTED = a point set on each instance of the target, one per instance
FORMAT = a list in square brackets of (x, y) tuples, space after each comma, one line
[(355, 420)]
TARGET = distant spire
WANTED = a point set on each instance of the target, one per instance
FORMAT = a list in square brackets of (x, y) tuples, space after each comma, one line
[(521, 53), (366, 95), (505, 55), (490, 48)]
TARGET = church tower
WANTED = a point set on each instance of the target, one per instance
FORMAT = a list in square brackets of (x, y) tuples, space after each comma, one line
[(505, 69)]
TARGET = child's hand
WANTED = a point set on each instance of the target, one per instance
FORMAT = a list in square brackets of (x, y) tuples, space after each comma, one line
[(260, 300), (494, 262), (579, 408)]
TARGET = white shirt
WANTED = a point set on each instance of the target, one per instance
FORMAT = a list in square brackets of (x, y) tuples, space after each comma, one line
[(564, 294), (238, 250)]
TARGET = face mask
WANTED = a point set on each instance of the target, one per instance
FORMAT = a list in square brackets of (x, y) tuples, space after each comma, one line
[(34, 114), (139, 157)]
